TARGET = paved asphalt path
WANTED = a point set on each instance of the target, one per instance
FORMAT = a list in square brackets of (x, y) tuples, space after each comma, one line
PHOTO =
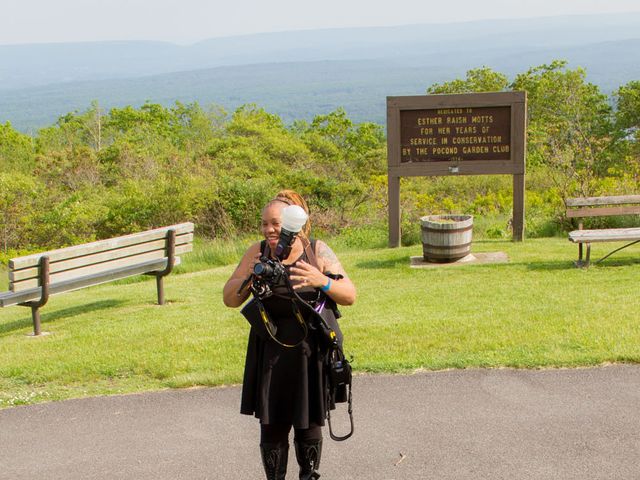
[(469, 424)]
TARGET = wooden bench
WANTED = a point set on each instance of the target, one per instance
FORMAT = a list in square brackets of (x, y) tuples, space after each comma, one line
[(598, 207), (33, 278)]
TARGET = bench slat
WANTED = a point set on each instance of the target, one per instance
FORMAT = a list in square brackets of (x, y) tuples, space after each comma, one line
[(602, 212), (68, 275), (96, 258), (605, 235), (595, 201), (99, 246), (13, 298)]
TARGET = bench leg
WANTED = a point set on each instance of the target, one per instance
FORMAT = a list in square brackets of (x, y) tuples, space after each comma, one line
[(583, 263), (160, 288), (171, 253), (43, 267), (35, 314)]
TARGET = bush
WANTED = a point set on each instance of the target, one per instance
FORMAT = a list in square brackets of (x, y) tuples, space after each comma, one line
[(96, 174)]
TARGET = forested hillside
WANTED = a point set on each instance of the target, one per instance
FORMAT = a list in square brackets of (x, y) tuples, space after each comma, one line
[(98, 173), (467, 43), (297, 75)]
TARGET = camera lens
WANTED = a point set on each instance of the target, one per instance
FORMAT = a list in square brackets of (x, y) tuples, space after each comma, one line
[(262, 269)]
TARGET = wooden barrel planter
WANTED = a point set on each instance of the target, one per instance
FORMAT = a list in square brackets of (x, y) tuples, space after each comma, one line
[(446, 238)]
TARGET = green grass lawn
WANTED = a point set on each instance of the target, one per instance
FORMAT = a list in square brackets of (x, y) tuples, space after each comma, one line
[(535, 311)]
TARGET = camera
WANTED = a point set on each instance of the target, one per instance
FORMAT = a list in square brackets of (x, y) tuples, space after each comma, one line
[(339, 375), (270, 271), (268, 274)]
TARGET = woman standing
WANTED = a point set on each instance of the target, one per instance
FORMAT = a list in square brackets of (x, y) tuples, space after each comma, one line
[(284, 385)]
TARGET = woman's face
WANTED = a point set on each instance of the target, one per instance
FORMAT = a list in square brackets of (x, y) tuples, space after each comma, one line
[(272, 223)]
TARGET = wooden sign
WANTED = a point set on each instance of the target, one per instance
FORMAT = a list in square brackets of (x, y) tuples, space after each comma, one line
[(455, 134), (462, 134)]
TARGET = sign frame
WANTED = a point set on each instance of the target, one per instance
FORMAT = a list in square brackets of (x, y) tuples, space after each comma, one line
[(515, 165)]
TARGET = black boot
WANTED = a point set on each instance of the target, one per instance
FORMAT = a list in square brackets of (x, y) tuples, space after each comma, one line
[(308, 456), (274, 460)]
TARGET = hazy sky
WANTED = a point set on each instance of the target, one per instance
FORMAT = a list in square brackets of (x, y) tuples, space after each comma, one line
[(188, 21)]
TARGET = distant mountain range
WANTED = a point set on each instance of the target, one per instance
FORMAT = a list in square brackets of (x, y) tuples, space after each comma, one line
[(303, 73)]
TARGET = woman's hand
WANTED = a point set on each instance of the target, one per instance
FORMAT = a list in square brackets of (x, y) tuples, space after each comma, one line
[(342, 291), (306, 275)]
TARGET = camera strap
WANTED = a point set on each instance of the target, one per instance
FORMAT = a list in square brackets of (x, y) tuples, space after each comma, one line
[(337, 371), (271, 328), (309, 248), (337, 367), (333, 436), (268, 325)]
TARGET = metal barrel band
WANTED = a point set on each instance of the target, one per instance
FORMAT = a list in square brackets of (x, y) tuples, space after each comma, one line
[(445, 247), (447, 230)]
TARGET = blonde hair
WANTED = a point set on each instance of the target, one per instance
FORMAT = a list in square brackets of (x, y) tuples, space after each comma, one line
[(291, 197)]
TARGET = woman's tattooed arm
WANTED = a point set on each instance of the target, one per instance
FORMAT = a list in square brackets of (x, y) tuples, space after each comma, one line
[(330, 262), (342, 291)]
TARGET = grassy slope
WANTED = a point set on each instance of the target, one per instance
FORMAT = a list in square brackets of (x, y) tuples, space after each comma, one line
[(535, 311)]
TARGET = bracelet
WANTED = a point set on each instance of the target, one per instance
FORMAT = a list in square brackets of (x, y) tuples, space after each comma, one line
[(326, 287)]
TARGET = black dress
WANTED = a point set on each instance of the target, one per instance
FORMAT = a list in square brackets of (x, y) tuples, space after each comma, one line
[(286, 385)]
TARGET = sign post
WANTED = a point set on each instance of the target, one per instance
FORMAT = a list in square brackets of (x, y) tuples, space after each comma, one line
[(461, 134)]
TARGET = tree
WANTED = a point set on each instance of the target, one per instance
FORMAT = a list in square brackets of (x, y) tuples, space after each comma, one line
[(628, 119), (16, 150), (482, 79), (570, 127), (93, 125), (628, 105), (69, 171), (17, 194), (194, 127), (149, 117)]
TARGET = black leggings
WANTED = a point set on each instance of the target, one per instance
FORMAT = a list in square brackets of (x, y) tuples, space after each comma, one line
[(278, 433)]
